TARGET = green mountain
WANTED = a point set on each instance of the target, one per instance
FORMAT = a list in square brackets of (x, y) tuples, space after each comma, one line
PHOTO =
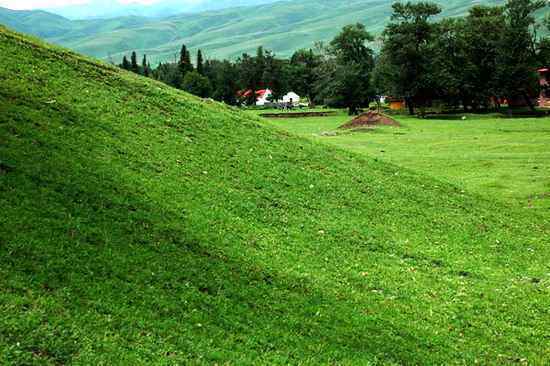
[(142, 225), (282, 27)]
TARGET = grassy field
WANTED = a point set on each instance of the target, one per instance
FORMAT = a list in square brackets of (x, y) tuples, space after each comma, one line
[(143, 226), (506, 159)]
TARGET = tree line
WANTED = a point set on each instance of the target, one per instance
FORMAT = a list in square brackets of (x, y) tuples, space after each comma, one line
[(222, 80), (473, 62)]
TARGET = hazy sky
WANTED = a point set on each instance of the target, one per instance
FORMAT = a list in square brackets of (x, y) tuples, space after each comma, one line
[(34, 4)]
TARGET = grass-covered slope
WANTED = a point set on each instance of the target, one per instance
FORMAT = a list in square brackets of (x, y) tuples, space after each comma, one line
[(140, 225)]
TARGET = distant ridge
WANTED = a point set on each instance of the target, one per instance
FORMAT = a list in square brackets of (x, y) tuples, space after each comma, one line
[(95, 9), (281, 26)]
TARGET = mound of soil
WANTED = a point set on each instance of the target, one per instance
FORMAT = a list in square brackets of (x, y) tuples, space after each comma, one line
[(370, 119)]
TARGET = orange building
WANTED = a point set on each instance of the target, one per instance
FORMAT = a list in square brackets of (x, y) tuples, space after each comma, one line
[(396, 103)]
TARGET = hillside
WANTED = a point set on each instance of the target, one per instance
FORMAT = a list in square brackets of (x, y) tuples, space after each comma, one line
[(141, 225), (282, 27)]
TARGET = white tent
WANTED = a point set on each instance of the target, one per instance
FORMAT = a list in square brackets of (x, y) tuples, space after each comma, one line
[(291, 98)]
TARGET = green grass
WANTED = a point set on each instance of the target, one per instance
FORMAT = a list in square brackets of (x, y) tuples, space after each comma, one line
[(282, 27), (505, 159), (141, 225)]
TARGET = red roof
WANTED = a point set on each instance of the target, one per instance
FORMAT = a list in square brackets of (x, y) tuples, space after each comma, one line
[(261, 93), (246, 93)]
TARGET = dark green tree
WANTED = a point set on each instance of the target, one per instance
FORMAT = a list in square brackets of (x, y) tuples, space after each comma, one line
[(274, 76), (222, 79), (516, 58), (301, 73), (482, 34), (543, 52), (248, 78), (259, 67), (169, 74), (145, 67), (406, 49), (345, 77), (449, 62), (134, 64), (200, 63), (196, 84), (184, 64), (125, 64)]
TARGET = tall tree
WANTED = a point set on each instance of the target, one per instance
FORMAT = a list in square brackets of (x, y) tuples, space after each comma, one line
[(543, 51), (516, 53), (249, 79), (301, 73), (134, 66), (200, 63), (274, 76), (184, 64), (482, 34), (144, 66), (464, 58), (449, 64), (125, 64), (406, 48), (260, 65), (345, 77)]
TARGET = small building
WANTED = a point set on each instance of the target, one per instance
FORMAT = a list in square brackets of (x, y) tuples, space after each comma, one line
[(544, 98), (262, 96), (396, 104), (291, 98)]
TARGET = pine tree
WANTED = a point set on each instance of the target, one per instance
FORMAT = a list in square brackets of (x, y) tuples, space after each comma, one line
[(200, 67), (260, 66), (144, 66), (184, 64), (125, 64), (134, 66)]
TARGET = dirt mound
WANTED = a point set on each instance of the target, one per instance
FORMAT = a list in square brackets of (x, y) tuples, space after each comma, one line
[(370, 119)]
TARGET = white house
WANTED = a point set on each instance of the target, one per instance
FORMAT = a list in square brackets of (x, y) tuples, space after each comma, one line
[(263, 96)]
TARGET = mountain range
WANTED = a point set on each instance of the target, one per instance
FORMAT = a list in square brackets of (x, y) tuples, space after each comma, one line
[(282, 26), (111, 9)]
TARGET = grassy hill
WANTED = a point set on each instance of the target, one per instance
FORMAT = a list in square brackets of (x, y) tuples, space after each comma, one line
[(283, 27), (141, 225)]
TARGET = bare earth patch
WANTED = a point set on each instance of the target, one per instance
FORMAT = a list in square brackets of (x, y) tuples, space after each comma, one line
[(370, 119)]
